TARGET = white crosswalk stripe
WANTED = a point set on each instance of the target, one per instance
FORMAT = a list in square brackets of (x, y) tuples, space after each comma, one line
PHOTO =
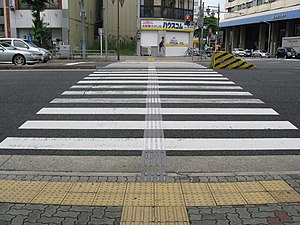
[(180, 111)]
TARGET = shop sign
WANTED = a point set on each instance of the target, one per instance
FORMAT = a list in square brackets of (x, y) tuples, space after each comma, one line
[(165, 25), (279, 17)]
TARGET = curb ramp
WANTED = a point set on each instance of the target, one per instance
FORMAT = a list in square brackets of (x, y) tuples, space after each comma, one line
[(224, 60)]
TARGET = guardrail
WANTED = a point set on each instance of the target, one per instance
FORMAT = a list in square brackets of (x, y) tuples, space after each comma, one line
[(75, 54)]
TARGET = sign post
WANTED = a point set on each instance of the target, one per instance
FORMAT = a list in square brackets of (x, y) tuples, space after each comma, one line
[(100, 32)]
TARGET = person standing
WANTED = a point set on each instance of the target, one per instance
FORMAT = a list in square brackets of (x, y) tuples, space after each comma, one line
[(162, 49)]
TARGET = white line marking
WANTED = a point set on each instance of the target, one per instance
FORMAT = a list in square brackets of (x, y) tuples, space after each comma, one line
[(75, 63), (158, 75), (192, 92), (167, 125), (145, 82), (163, 100), (166, 111), (133, 144), (158, 72), (160, 87), (159, 78)]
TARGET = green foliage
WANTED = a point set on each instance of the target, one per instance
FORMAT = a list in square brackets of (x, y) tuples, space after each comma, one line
[(40, 31), (209, 22), (127, 44)]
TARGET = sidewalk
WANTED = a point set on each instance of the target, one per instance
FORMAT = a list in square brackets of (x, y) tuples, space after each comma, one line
[(70, 198)]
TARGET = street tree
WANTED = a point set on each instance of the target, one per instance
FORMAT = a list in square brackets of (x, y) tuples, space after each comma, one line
[(40, 31), (210, 24)]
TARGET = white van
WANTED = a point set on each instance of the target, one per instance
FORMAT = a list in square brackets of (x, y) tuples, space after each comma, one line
[(26, 45)]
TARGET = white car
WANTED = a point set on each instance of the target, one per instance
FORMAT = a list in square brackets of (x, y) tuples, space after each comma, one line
[(10, 54), (27, 46), (239, 52), (261, 54)]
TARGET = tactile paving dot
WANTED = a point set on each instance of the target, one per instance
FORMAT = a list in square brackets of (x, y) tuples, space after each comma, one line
[(169, 200), (164, 188), (258, 198), (171, 214), (222, 188), (201, 199), (245, 187), (83, 187), (146, 188), (276, 185), (113, 187), (229, 199), (286, 196), (108, 199), (139, 199), (79, 199), (49, 198), (195, 188), (58, 187)]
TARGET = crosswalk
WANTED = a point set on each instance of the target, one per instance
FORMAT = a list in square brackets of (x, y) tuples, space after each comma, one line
[(174, 111)]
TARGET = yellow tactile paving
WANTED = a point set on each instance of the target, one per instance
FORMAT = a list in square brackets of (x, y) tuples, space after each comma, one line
[(245, 187), (171, 214), (139, 215), (139, 199), (276, 185), (195, 188), (258, 198), (286, 196), (169, 200), (147, 194), (223, 188), (199, 199), (227, 198)]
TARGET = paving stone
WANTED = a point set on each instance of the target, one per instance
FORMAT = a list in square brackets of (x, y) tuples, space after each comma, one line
[(21, 212), (268, 177), (255, 221), (269, 208), (290, 210), (240, 178), (35, 207), (11, 177), (223, 210), (84, 179), (102, 221), (213, 179), (263, 214), (3, 176), (234, 219), (65, 208), (204, 222), (204, 179), (195, 179), (231, 179), (113, 209), (222, 179), (2, 222), (283, 216), (34, 216), (84, 217), (70, 214), (296, 218), (295, 176), (102, 179), (249, 178), (66, 178), (19, 219), (293, 183), (112, 179), (69, 221), (195, 217), (46, 178), (74, 178), (37, 178), (5, 207), (243, 213), (112, 214), (49, 220), (214, 216), (50, 211), (193, 210), (98, 212), (205, 210), (18, 206), (276, 177), (7, 217), (82, 208), (252, 209), (223, 222), (30, 223), (274, 221), (285, 177)]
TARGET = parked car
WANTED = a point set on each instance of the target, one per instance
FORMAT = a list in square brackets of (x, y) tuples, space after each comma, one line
[(248, 53), (261, 54), (26, 45), (238, 52), (10, 54), (285, 52)]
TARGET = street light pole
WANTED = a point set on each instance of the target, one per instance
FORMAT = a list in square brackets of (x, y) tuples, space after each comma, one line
[(83, 44), (118, 38)]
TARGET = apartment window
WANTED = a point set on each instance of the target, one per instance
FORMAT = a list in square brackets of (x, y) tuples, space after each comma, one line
[(1, 27), (54, 4), (297, 29), (1, 12)]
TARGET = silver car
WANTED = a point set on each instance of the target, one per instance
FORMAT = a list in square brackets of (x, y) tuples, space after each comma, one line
[(27, 46), (261, 54), (10, 54)]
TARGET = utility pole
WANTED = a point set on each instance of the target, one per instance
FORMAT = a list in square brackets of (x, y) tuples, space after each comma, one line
[(83, 41), (200, 26)]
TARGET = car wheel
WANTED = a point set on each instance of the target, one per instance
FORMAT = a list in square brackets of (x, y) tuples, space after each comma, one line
[(44, 61), (19, 60), (261, 56)]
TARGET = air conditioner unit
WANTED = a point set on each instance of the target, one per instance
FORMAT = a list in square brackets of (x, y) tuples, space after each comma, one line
[(146, 50)]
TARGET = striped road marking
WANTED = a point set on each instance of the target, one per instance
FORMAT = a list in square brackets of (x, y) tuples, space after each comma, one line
[(162, 100), (158, 75), (158, 72), (167, 125), (166, 111), (184, 144), (145, 82), (160, 87), (159, 78), (225, 93)]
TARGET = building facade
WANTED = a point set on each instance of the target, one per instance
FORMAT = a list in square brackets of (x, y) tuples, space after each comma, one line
[(62, 18), (150, 20), (260, 24)]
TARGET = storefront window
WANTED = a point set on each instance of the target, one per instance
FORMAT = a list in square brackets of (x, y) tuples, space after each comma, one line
[(297, 29), (52, 5)]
